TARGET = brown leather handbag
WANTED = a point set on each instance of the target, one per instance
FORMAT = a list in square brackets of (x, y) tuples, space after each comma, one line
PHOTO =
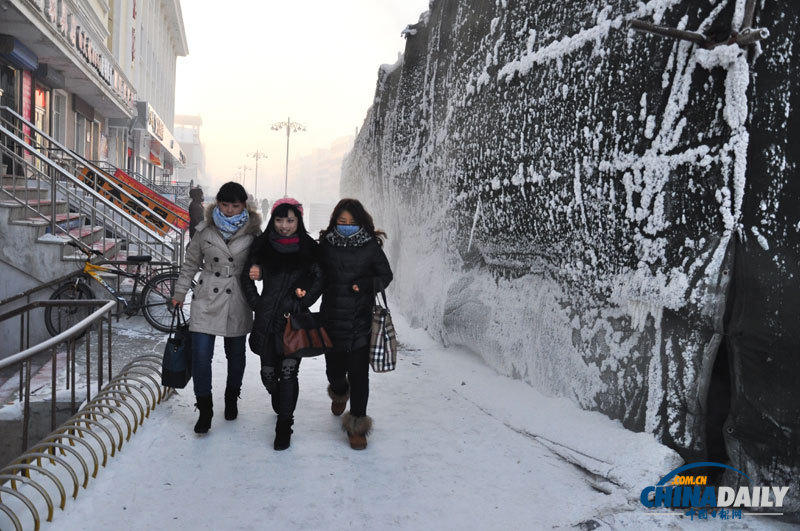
[(304, 335)]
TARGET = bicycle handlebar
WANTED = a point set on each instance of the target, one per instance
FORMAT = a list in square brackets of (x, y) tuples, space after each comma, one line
[(87, 250)]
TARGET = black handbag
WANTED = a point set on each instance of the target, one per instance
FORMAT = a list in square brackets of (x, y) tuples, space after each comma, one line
[(176, 365), (304, 336)]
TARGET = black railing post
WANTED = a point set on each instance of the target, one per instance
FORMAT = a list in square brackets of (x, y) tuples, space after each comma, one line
[(53, 373), (26, 415), (100, 354), (88, 364)]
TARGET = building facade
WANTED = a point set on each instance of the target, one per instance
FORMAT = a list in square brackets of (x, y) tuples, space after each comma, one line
[(98, 76)]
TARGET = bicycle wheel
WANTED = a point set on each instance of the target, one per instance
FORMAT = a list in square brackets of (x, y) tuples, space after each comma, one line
[(157, 301), (60, 318)]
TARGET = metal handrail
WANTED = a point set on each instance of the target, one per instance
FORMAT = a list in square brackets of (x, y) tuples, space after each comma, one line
[(108, 220), (71, 154), (40, 287), (73, 331), (78, 448)]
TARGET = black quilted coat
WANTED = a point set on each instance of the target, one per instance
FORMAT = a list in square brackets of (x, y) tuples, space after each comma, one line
[(347, 315), (281, 275)]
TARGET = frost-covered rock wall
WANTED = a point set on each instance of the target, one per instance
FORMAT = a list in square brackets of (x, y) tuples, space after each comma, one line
[(582, 205)]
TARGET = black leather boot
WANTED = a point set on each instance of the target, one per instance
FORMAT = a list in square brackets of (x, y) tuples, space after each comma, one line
[(276, 400), (206, 407), (283, 434), (231, 409)]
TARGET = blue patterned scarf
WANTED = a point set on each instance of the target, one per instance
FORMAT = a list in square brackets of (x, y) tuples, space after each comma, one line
[(229, 225)]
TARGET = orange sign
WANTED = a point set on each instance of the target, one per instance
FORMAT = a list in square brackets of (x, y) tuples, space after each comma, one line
[(165, 210)]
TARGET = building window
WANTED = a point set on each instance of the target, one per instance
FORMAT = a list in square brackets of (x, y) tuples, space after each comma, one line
[(59, 117), (80, 135), (95, 139)]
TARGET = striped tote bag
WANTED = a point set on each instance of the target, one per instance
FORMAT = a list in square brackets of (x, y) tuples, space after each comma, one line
[(383, 341)]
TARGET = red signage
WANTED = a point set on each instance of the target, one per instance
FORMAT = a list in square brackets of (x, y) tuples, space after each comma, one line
[(27, 102), (27, 109), (179, 216), (164, 209)]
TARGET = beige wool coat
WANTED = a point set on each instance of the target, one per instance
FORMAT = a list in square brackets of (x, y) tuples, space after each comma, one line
[(218, 304)]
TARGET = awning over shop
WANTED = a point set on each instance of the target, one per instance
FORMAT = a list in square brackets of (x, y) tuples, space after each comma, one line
[(17, 53)]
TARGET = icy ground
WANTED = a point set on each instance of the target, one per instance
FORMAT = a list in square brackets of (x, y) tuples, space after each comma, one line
[(454, 446)]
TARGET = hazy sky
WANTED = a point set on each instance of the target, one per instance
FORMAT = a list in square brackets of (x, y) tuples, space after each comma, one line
[(253, 63)]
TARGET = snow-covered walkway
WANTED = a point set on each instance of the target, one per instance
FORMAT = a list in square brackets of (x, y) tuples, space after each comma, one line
[(454, 446)]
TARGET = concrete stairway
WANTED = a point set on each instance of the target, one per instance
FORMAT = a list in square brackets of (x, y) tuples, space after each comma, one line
[(28, 245)]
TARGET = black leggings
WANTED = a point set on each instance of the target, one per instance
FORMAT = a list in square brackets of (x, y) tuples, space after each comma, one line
[(283, 382), (343, 366)]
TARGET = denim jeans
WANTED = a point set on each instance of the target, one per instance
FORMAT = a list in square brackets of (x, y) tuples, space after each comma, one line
[(203, 352)]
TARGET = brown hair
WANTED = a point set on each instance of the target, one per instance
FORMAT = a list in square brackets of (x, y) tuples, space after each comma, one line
[(360, 215)]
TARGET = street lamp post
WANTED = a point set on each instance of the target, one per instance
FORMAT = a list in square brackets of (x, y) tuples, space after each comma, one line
[(244, 169), (257, 155), (291, 127)]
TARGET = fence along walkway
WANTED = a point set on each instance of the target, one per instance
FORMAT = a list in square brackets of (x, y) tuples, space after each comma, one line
[(45, 473)]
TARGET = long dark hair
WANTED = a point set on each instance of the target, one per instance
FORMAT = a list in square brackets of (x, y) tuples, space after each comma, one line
[(282, 211), (360, 215)]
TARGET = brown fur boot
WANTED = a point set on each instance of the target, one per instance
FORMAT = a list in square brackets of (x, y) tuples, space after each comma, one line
[(357, 429), (338, 402)]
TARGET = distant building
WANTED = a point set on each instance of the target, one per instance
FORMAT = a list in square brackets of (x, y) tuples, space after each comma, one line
[(317, 216), (187, 132)]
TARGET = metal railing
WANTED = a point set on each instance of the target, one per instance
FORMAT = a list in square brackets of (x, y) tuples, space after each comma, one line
[(98, 430), (68, 340), (53, 284), (54, 169)]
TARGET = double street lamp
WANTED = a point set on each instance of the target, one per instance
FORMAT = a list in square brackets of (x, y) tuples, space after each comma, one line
[(291, 127)]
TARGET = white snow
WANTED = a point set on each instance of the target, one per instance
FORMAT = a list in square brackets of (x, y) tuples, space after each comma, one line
[(54, 238), (762, 241), (454, 446)]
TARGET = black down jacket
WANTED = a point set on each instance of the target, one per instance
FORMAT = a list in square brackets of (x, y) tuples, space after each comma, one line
[(281, 275), (347, 315)]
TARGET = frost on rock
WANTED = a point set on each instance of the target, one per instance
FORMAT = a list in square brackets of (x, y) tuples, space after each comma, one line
[(576, 194)]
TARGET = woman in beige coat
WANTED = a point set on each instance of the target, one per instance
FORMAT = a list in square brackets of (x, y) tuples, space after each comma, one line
[(219, 250)]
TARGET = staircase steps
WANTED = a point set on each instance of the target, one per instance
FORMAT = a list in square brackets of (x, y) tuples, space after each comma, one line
[(87, 233), (38, 221), (24, 191), (109, 247)]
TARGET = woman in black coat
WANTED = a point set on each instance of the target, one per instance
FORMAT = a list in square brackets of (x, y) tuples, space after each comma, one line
[(286, 257), (355, 268)]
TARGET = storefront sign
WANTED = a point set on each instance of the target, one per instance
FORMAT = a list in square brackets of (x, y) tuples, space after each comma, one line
[(69, 26), (155, 153), (102, 183), (157, 129), (155, 125)]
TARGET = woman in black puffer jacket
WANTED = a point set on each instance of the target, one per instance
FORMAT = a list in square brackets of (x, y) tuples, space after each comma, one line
[(355, 269), (286, 257)]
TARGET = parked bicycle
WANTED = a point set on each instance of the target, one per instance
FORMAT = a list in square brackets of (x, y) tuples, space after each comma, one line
[(154, 300)]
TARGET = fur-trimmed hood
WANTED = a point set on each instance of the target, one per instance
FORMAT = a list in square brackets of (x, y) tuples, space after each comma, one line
[(253, 225)]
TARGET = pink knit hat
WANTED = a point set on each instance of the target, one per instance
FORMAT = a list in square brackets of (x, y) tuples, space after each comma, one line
[(287, 201)]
